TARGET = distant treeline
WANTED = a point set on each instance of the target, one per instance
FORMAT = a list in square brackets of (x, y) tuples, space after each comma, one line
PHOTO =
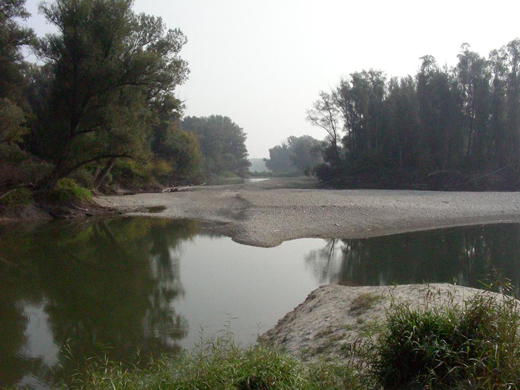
[(100, 105), (297, 155), (462, 119)]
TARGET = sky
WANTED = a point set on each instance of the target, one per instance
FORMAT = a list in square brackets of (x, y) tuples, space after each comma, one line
[(264, 62)]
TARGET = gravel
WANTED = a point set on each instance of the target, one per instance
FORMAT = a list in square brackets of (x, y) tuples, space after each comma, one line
[(267, 213)]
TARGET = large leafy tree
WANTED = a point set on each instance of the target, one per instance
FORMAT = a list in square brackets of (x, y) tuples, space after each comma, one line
[(111, 70), (222, 144)]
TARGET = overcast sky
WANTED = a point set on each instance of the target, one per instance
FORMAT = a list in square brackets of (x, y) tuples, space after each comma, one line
[(263, 62)]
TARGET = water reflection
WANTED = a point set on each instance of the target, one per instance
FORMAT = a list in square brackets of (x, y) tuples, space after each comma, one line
[(69, 291), (469, 256), (93, 285)]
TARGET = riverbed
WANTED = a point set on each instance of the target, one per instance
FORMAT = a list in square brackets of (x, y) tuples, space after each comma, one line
[(270, 212)]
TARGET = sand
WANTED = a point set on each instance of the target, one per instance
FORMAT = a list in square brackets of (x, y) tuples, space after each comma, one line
[(335, 320), (267, 213)]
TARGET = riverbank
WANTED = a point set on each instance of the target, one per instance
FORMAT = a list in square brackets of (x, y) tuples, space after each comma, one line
[(335, 320), (415, 336), (267, 213)]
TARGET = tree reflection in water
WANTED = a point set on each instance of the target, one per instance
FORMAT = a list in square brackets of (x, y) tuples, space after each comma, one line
[(106, 288), (465, 255)]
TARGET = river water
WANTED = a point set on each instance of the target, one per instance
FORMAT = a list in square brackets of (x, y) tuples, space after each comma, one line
[(69, 291)]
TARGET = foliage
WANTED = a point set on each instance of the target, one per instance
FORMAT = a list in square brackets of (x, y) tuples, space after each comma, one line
[(222, 144), (298, 154), (68, 191), (220, 364), (461, 119), (12, 120), (13, 37), (471, 347), (280, 159), (111, 69), (16, 198), (181, 150)]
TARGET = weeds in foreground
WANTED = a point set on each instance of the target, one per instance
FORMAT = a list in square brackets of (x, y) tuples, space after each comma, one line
[(439, 346), (475, 346), (219, 364)]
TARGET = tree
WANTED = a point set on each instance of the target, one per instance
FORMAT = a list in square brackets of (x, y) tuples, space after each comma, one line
[(298, 154), (222, 144), (403, 134), (326, 114), (110, 69), (181, 150), (280, 159), (305, 152), (474, 85), (12, 38), (11, 123), (440, 114)]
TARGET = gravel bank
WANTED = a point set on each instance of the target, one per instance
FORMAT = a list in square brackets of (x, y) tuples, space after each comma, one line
[(268, 213)]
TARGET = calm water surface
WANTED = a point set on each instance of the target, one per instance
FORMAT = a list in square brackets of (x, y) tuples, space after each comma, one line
[(72, 290)]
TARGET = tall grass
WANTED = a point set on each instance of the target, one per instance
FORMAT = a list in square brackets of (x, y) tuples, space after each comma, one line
[(474, 346), (219, 364), (469, 346)]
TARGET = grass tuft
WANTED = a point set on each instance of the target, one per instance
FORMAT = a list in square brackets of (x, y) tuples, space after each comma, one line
[(475, 346), (364, 302)]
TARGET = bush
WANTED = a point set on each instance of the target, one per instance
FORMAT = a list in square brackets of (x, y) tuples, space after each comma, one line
[(471, 347), (68, 191), (84, 178), (17, 198), (132, 173)]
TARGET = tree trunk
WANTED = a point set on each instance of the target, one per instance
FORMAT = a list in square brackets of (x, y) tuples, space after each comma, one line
[(104, 173)]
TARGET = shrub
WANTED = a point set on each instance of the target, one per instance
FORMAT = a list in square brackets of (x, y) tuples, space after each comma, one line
[(84, 178), (68, 191), (17, 198), (470, 347)]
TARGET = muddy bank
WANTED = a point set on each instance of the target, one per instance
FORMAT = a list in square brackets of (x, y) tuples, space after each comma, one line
[(268, 213), (335, 320)]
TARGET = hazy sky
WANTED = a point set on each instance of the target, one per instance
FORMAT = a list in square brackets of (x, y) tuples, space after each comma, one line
[(263, 62)]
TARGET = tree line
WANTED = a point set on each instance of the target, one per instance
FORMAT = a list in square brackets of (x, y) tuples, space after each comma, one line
[(100, 104), (461, 119), (296, 155)]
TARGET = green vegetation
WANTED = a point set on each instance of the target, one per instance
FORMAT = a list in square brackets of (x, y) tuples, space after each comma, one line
[(443, 128), (298, 155), (16, 198), (449, 347), (68, 191), (100, 106), (220, 365), (364, 302), (222, 143)]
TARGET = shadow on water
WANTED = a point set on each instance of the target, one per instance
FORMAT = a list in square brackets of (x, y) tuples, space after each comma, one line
[(69, 291)]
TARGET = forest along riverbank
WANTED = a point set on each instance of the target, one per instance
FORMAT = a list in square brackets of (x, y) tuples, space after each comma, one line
[(267, 213)]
